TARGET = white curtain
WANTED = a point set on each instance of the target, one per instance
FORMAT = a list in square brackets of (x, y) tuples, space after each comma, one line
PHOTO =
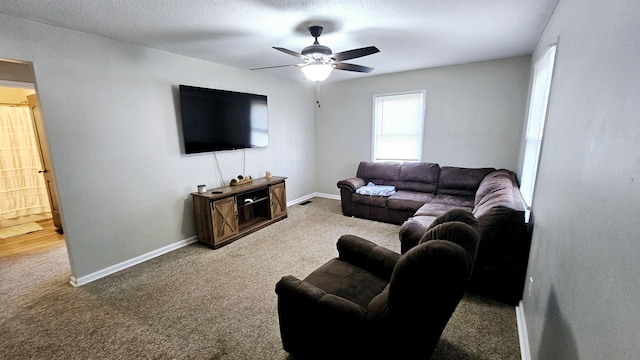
[(22, 187)]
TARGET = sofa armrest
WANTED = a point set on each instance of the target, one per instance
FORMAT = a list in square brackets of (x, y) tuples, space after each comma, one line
[(351, 183), (411, 231), (367, 255)]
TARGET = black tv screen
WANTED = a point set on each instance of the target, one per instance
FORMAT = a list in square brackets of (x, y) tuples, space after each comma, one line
[(214, 120)]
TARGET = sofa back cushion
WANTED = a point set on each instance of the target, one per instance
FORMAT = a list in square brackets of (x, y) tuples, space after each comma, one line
[(419, 176), (379, 173), (460, 181)]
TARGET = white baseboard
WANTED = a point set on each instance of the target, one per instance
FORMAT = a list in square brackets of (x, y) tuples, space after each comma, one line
[(150, 255), (131, 262), (327, 196), (312, 195), (525, 353)]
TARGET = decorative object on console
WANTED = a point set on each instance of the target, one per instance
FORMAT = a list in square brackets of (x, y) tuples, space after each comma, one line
[(240, 180), (202, 189)]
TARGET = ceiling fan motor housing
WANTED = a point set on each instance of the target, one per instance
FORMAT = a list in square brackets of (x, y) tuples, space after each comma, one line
[(316, 51)]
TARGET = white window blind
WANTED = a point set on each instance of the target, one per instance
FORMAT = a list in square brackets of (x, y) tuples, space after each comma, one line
[(542, 73), (397, 126)]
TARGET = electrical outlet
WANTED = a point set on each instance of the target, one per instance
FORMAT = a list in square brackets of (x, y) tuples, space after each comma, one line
[(530, 287)]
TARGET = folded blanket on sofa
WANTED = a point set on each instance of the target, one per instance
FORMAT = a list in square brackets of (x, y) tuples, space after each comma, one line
[(376, 190)]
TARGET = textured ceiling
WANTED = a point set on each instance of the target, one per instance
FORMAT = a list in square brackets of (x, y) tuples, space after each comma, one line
[(411, 34)]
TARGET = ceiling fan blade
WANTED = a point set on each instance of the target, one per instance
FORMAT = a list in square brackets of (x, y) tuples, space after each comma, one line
[(277, 66), (352, 67), (292, 53), (355, 53)]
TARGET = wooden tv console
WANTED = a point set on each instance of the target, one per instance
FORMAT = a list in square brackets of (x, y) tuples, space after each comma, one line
[(228, 213)]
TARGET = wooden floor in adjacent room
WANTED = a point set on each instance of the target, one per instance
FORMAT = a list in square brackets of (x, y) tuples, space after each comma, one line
[(47, 237)]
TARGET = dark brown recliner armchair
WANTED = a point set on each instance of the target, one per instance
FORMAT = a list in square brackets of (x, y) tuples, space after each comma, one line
[(373, 303)]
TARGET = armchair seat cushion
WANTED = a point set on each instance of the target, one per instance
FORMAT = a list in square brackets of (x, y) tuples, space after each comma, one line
[(347, 281)]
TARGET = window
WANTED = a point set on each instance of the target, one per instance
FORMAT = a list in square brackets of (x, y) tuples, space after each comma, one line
[(542, 72), (397, 126)]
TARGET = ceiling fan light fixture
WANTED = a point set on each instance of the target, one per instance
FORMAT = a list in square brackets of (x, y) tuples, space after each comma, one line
[(317, 71), (319, 60)]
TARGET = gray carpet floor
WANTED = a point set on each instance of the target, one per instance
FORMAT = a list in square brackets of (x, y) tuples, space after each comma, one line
[(198, 303)]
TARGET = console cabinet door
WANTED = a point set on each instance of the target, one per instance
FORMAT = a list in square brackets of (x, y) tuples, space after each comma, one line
[(224, 218), (278, 197)]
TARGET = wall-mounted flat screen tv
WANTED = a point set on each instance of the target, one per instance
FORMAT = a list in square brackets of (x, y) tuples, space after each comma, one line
[(215, 120)]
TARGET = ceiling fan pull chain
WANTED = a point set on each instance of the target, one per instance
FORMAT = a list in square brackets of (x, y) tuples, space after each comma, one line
[(318, 94)]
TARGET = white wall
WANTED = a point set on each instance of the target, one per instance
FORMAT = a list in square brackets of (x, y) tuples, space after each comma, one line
[(474, 117), (585, 295), (111, 117)]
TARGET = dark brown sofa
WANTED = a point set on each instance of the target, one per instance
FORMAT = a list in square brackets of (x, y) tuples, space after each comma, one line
[(426, 190)]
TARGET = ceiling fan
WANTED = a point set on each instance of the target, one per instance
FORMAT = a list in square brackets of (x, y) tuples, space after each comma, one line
[(319, 61)]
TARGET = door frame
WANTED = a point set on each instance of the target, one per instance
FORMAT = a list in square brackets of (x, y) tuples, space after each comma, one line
[(21, 72)]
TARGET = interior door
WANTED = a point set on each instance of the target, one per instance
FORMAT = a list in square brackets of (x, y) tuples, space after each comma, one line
[(47, 170)]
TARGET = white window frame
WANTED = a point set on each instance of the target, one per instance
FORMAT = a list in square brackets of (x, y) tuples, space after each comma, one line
[(416, 137), (534, 133)]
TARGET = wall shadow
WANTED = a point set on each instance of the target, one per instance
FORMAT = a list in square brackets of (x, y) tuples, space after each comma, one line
[(557, 339)]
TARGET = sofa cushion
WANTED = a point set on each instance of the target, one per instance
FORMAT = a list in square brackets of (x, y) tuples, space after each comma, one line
[(376, 201), (460, 181), (436, 209), (456, 215), (459, 201), (408, 200), (420, 176), (382, 173)]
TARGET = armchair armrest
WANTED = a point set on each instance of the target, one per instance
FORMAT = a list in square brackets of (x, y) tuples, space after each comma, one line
[(367, 255), (311, 295), (351, 183), (307, 313)]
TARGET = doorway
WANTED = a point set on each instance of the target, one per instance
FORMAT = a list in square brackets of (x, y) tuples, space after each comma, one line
[(29, 211)]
